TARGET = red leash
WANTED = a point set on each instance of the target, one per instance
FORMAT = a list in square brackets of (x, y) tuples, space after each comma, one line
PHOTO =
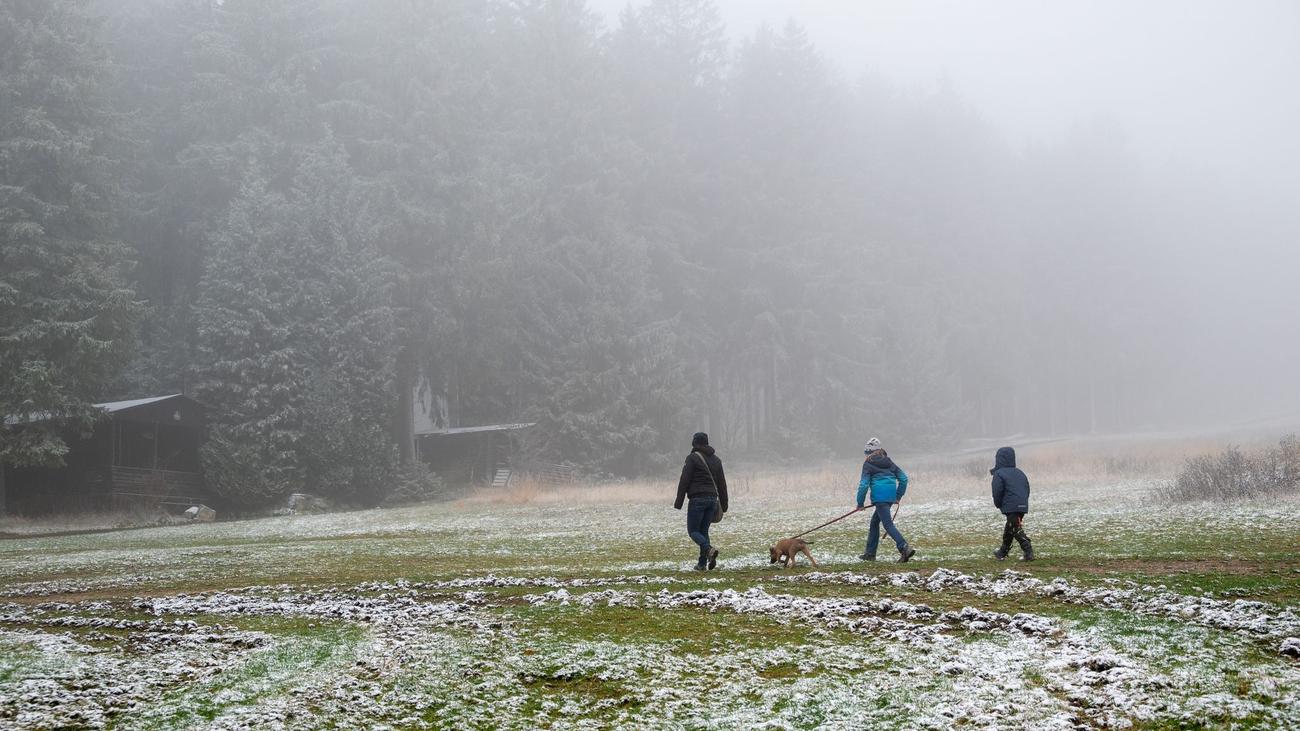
[(823, 525)]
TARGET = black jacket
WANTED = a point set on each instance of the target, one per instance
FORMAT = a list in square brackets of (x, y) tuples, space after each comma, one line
[(1010, 485), (695, 480)]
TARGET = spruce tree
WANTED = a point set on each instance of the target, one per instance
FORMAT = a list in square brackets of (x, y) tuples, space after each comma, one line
[(65, 313), (296, 336)]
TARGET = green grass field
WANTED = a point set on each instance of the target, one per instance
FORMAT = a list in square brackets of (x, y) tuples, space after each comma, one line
[(575, 608)]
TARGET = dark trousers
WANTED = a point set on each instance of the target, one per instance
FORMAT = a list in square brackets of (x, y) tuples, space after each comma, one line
[(879, 518), (699, 516), (1014, 529)]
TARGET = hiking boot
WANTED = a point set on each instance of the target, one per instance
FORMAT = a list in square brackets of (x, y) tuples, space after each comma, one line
[(1001, 553), (700, 567), (868, 557), (713, 559), (906, 553)]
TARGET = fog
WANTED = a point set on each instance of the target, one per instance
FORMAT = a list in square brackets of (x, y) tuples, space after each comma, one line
[(1203, 96), (793, 225), (1198, 80)]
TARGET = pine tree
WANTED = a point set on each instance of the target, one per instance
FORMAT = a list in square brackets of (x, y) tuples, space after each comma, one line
[(175, 180), (296, 332), (568, 300), (668, 59), (248, 369), (65, 313)]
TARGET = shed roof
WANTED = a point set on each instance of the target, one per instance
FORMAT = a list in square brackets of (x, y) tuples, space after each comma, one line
[(474, 429), (108, 407), (113, 406)]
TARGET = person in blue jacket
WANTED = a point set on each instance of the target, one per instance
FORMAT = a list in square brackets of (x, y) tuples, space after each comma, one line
[(886, 483), (1011, 496)]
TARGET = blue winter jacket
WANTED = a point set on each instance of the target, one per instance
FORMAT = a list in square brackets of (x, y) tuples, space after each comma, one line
[(1010, 485), (886, 480)]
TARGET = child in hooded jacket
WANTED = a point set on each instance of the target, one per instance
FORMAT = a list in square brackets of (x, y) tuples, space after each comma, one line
[(1011, 496), (886, 483)]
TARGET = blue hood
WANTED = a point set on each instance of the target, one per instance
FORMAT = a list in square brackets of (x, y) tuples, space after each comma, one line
[(1006, 457)]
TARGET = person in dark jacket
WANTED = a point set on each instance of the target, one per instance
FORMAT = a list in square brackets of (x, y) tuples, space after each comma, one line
[(705, 484), (1011, 496), (885, 483)]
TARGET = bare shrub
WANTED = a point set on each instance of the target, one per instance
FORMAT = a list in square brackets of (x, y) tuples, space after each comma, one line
[(1236, 475)]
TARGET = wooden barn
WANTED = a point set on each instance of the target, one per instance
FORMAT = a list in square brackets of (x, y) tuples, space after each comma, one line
[(142, 451)]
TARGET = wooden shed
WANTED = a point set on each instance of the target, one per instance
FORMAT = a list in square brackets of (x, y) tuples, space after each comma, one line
[(472, 454), (143, 451)]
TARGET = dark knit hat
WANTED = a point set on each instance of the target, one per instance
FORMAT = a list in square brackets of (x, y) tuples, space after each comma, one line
[(700, 439)]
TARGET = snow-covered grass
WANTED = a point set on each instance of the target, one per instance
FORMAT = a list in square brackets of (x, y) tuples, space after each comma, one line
[(574, 607), (17, 525)]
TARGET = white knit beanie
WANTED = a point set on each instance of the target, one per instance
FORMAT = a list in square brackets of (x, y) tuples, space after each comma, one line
[(872, 445)]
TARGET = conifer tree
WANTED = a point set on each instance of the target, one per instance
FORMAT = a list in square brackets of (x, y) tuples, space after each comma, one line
[(65, 313), (296, 339)]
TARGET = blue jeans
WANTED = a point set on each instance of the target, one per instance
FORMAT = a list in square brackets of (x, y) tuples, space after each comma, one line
[(699, 516), (873, 534)]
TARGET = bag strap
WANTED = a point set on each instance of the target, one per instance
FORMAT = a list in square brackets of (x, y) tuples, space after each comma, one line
[(705, 462)]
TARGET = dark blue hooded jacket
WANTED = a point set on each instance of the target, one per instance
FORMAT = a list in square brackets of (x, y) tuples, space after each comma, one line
[(1010, 485)]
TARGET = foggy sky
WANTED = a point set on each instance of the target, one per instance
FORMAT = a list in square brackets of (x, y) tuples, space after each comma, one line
[(1205, 93), (1209, 80)]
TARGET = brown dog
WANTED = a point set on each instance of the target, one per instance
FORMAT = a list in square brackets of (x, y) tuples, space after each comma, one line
[(787, 548)]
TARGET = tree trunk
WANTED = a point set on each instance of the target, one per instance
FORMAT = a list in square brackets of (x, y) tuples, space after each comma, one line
[(773, 398), (402, 420), (751, 410)]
